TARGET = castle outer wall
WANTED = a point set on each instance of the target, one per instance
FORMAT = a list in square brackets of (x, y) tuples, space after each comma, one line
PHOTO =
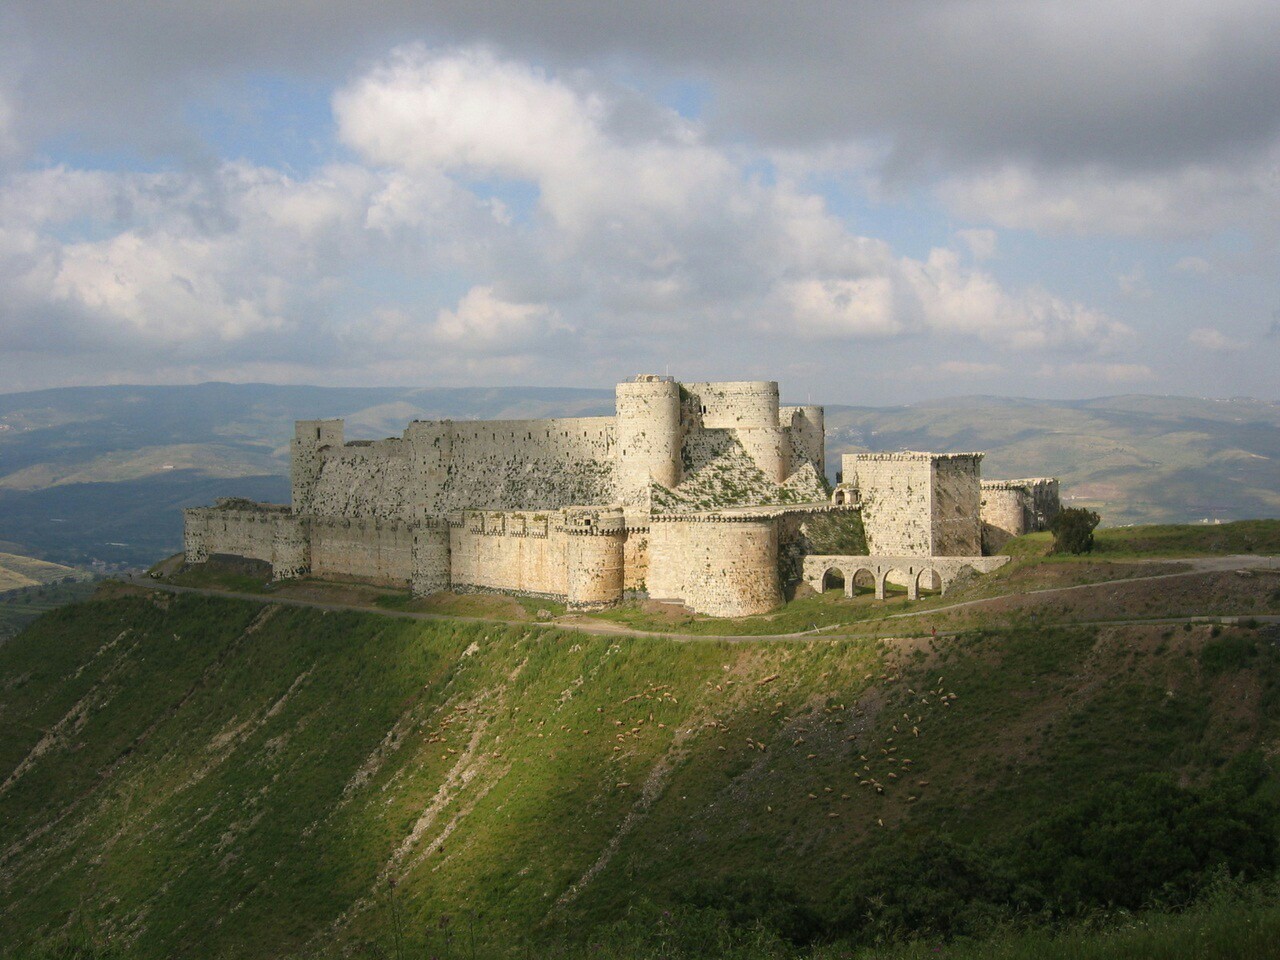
[(697, 493), (560, 508)]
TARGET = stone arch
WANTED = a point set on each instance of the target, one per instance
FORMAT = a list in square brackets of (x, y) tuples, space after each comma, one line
[(905, 576), (832, 578), (840, 498), (862, 577), (930, 578)]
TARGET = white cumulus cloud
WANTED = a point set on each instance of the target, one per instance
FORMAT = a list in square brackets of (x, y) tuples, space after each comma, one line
[(497, 212), (1213, 339), (483, 321)]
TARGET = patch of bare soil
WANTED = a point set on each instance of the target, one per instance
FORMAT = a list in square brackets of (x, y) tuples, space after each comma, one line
[(323, 591), (669, 612), (488, 605)]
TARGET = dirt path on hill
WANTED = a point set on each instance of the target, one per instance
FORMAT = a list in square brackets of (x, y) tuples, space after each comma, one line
[(1200, 566)]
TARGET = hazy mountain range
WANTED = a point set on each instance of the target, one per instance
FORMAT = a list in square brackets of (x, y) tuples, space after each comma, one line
[(101, 473)]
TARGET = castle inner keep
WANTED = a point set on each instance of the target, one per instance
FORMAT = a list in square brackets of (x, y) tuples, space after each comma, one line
[(700, 493)]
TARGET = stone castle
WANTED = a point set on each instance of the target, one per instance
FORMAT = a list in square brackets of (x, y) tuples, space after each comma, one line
[(709, 494)]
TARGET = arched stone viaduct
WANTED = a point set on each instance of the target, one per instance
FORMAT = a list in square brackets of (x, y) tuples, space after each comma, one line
[(915, 572)]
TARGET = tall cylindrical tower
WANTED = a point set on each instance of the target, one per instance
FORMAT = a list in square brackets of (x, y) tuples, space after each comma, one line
[(750, 408), (649, 434), (1004, 514), (730, 567)]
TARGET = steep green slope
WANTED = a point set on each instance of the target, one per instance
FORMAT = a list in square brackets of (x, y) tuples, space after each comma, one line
[(191, 776)]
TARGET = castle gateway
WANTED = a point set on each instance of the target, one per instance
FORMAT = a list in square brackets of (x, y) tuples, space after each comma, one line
[(702, 493)]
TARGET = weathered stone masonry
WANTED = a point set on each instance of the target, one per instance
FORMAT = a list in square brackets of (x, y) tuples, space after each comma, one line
[(575, 509), (691, 492)]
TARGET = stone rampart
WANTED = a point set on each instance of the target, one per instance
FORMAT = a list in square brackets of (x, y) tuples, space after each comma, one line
[(242, 531), (719, 565), (1011, 508), (518, 552), (441, 466), (255, 531), (371, 551), (372, 480)]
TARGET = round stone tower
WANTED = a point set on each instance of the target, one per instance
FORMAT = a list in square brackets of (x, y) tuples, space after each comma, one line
[(649, 434), (594, 556), (751, 408)]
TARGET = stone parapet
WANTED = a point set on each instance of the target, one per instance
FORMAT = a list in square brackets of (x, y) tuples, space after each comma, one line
[(912, 455)]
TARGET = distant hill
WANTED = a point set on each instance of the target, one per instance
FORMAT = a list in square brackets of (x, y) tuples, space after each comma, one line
[(1136, 459), (17, 572), (101, 473)]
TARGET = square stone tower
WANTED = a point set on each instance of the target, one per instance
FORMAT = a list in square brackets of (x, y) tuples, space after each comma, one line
[(918, 504)]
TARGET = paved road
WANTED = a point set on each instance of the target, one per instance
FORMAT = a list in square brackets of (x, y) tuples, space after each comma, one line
[(1200, 566)]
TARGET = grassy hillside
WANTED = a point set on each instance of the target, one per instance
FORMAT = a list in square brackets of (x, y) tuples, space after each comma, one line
[(199, 776)]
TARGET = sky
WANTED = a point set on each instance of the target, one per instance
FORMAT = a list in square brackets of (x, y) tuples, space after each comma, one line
[(869, 202)]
